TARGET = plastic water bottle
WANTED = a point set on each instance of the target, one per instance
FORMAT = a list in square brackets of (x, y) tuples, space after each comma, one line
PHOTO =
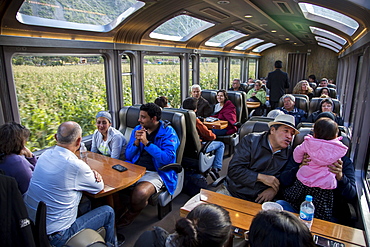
[(307, 211), (83, 152)]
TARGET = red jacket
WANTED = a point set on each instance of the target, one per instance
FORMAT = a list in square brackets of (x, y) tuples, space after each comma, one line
[(228, 113)]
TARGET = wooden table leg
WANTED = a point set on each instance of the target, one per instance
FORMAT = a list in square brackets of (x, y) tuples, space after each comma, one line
[(110, 200)]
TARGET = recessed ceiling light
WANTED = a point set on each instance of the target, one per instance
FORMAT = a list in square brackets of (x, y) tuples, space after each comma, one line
[(287, 39), (223, 2), (273, 31), (248, 16), (294, 43)]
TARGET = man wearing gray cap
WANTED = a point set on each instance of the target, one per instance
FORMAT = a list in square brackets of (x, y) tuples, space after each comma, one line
[(290, 108), (258, 160)]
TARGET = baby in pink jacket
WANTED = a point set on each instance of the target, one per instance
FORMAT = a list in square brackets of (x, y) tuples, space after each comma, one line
[(315, 179), (324, 148)]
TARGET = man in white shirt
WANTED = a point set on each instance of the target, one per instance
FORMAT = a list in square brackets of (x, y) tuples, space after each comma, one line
[(58, 181)]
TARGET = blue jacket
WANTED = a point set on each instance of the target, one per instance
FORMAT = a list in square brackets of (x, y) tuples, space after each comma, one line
[(163, 150), (298, 114)]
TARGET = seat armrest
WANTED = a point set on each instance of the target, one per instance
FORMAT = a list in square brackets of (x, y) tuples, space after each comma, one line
[(174, 166), (218, 181), (238, 124), (205, 146)]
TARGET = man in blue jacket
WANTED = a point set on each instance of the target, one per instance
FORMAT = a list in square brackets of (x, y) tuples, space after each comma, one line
[(152, 144)]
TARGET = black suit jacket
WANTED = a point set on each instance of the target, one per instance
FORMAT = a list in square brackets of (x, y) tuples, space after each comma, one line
[(277, 81)]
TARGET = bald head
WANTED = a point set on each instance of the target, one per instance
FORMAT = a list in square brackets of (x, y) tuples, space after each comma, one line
[(68, 133)]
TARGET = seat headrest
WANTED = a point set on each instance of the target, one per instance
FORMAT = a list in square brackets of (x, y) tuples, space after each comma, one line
[(252, 126)]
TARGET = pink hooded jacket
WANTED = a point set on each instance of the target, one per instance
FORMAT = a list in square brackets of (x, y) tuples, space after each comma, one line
[(322, 153)]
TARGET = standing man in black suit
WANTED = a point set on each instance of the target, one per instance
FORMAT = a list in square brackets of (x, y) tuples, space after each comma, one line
[(277, 81)]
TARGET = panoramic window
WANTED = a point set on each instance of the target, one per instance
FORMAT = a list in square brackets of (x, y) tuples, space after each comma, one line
[(208, 74), (126, 80), (235, 65), (224, 38), (329, 17), (90, 15), (54, 89), (252, 68), (263, 47), (162, 78), (329, 35), (180, 28), (328, 42), (249, 43), (328, 46)]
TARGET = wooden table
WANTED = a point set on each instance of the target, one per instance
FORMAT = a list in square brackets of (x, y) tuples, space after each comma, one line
[(219, 124), (253, 105), (113, 180), (242, 213)]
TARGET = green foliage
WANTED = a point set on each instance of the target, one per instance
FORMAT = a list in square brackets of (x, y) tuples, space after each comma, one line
[(208, 75), (48, 96), (162, 80)]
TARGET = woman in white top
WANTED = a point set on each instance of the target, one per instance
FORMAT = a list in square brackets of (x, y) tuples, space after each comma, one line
[(106, 139)]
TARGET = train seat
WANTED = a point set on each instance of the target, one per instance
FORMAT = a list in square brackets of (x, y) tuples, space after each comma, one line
[(253, 126), (315, 105), (210, 95), (332, 92), (261, 119), (313, 85), (194, 152), (243, 108), (332, 86), (300, 103), (302, 96), (232, 140), (128, 116)]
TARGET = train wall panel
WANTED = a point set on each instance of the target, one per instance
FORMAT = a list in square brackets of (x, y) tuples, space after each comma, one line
[(321, 62)]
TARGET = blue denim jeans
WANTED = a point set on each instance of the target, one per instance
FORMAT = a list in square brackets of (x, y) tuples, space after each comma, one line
[(218, 132), (219, 148), (94, 219), (286, 206)]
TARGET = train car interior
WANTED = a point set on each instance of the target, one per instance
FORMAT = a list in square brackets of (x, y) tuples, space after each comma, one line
[(64, 60)]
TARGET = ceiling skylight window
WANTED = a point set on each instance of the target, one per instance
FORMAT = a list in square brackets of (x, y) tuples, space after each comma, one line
[(328, 42), (329, 17), (89, 15), (263, 47), (328, 46), (180, 28), (224, 38), (249, 43), (329, 35)]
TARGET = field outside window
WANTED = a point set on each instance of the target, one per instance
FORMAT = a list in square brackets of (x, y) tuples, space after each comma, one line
[(234, 68), (208, 78), (252, 68), (52, 90), (162, 78), (126, 80)]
